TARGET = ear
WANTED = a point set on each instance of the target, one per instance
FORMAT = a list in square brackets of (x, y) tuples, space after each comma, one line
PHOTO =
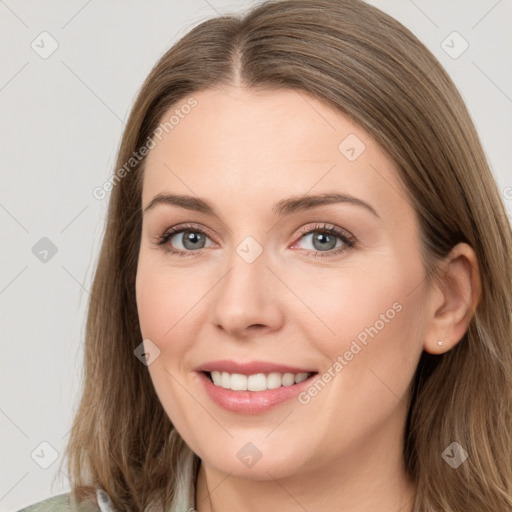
[(453, 299)]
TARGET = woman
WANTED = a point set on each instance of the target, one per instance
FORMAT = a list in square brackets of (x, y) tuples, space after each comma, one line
[(232, 362)]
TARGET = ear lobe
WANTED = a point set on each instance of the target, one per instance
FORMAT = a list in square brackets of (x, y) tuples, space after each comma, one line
[(454, 300)]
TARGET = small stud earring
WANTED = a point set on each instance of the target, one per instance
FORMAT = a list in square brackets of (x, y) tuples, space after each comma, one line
[(440, 343)]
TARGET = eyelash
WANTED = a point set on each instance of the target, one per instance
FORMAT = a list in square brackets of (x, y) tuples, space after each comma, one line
[(348, 240)]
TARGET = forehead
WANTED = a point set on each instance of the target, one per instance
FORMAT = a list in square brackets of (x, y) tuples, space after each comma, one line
[(259, 145)]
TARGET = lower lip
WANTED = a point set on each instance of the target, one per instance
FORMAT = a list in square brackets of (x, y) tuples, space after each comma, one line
[(251, 402)]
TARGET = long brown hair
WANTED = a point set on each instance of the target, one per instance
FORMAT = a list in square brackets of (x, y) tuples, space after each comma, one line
[(371, 68)]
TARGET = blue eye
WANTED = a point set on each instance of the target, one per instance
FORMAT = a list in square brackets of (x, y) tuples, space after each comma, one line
[(192, 238), (328, 240), (325, 239)]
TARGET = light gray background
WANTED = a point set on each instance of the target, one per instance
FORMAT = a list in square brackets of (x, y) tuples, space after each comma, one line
[(61, 122)]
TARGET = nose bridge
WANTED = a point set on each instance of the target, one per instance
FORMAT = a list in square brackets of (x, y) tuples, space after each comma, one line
[(247, 294)]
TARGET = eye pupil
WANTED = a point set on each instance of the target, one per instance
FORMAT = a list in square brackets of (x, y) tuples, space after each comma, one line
[(194, 238), (323, 237)]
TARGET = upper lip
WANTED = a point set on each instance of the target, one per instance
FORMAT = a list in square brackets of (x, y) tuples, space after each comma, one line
[(250, 367)]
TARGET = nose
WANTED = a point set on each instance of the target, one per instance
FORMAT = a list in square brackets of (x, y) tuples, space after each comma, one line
[(247, 299)]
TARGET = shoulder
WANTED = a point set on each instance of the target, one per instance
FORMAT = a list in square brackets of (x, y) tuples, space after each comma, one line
[(61, 503)]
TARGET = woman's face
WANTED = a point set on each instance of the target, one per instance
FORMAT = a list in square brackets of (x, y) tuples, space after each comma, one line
[(268, 278)]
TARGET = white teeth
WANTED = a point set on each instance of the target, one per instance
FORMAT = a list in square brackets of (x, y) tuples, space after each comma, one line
[(288, 379), (300, 377), (273, 380), (238, 382), (256, 382), (217, 378), (225, 380)]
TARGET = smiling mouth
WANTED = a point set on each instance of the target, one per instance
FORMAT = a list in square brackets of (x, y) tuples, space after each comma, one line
[(256, 382)]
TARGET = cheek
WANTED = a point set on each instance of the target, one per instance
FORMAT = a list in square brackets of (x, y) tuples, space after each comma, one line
[(165, 303), (160, 302), (152, 302), (372, 354), (368, 317), (347, 304), (169, 302)]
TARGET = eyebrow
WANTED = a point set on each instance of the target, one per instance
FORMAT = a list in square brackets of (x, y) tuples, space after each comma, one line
[(281, 208)]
